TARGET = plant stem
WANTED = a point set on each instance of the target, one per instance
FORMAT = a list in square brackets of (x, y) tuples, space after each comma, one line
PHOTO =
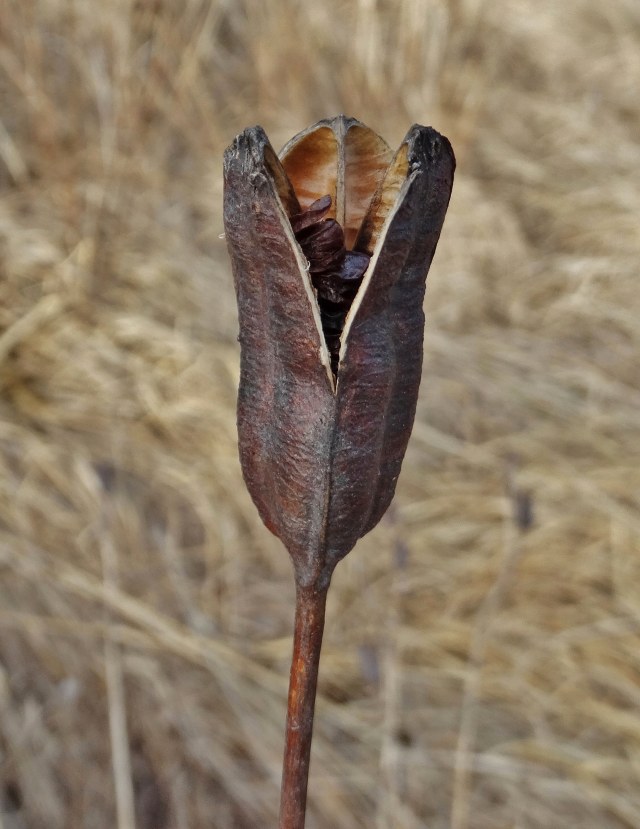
[(307, 640)]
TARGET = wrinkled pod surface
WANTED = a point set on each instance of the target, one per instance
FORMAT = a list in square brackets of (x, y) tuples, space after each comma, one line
[(330, 244)]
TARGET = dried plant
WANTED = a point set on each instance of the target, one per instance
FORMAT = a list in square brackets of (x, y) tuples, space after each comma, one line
[(330, 245)]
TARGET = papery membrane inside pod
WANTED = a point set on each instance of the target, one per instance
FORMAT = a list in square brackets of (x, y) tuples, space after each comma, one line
[(341, 158), (383, 201)]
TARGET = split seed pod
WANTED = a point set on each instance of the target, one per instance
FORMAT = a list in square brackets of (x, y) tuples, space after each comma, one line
[(321, 445)]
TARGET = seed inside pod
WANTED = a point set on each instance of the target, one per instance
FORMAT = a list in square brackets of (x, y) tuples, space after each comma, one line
[(336, 273)]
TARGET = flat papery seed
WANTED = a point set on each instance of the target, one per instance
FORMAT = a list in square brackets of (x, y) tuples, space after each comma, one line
[(354, 266), (324, 236), (324, 256), (324, 229), (327, 264), (333, 290), (321, 204), (340, 286), (316, 212)]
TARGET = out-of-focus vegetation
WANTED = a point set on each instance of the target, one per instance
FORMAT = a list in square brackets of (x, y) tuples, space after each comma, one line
[(476, 673)]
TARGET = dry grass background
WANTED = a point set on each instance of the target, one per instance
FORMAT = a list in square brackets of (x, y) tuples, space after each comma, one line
[(474, 675)]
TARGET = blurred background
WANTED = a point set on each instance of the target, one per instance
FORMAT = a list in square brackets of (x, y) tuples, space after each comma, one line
[(481, 666)]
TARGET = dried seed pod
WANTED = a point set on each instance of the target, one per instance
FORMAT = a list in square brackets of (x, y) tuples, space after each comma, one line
[(321, 439)]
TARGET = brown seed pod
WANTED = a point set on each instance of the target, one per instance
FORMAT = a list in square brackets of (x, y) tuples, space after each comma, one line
[(321, 445)]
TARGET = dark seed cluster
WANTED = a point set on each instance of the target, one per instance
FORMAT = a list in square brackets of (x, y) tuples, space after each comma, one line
[(336, 273)]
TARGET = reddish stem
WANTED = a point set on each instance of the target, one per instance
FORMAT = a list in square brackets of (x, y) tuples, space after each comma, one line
[(307, 640)]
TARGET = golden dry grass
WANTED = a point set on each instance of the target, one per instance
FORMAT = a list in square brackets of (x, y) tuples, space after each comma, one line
[(474, 676)]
